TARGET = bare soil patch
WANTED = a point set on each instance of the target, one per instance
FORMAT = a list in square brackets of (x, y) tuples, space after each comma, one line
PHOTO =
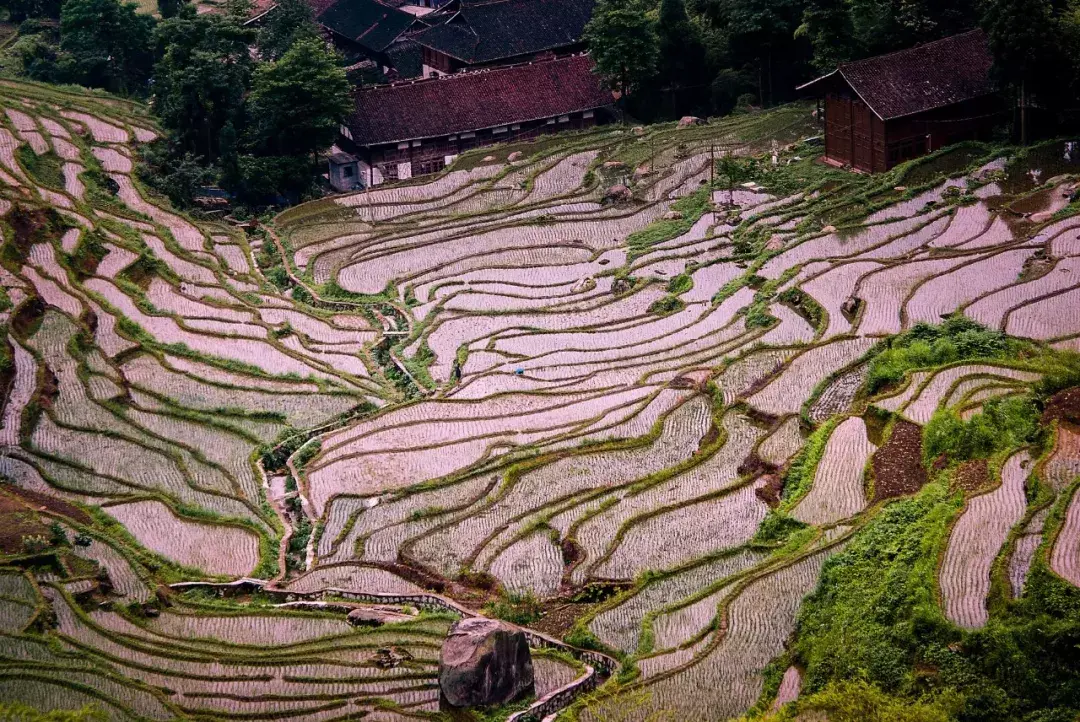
[(1063, 405), (898, 467), (769, 492), (972, 476), (558, 617), (17, 522), (44, 502)]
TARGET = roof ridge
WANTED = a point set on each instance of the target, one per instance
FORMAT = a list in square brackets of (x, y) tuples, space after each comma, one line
[(470, 73), (519, 93), (921, 46)]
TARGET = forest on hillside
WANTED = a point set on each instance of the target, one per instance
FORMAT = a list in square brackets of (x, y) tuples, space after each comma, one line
[(712, 56)]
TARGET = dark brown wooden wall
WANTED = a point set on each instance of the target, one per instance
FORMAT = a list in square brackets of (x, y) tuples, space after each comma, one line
[(853, 134), (428, 157)]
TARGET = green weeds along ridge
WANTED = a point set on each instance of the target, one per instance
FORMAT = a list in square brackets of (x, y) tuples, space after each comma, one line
[(596, 411)]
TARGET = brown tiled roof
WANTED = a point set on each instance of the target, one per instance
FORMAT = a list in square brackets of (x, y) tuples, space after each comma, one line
[(922, 78), (476, 100)]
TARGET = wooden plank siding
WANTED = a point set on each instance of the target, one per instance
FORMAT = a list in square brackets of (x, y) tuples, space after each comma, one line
[(838, 129), (854, 135)]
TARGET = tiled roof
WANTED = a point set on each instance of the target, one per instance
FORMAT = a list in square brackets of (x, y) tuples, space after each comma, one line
[(485, 32), (476, 100), (922, 78), (406, 58), (369, 23)]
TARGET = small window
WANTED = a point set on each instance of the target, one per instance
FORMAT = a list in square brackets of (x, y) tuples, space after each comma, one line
[(347, 171), (416, 144), (551, 121), (515, 127), (587, 114), (564, 118), (499, 130), (453, 137), (403, 146), (468, 135)]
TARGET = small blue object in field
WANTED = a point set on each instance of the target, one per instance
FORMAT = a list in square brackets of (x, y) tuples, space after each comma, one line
[(519, 372)]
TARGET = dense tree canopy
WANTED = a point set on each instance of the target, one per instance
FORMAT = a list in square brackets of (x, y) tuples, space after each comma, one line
[(708, 56), (106, 44), (289, 22), (681, 64), (297, 102), (1036, 45), (622, 39), (259, 123)]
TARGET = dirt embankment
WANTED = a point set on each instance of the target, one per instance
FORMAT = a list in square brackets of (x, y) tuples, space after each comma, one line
[(1063, 405), (972, 476), (898, 467)]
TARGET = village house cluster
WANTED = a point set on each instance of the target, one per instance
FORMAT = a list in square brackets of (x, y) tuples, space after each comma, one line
[(452, 75), (436, 78)]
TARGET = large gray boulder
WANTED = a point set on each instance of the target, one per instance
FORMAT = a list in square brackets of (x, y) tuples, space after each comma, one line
[(484, 663)]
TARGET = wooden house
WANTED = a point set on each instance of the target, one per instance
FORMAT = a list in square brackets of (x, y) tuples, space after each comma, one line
[(411, 128), (882, 111)]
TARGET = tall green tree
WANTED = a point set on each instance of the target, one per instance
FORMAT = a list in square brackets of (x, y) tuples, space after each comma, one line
[(169, 8), (828, 26), (681, 64), (298, 103), (1029, 40), (201, 79), (622, 40), (19, 10), (106, 44), (288, 22), (881, 26), (761, 34)]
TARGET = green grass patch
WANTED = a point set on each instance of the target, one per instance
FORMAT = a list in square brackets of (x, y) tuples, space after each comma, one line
[(680, 284), (1003, 424), (776, 528), (875, 618), (666, 306), (800, 475), (692, 208), (957, 339), (805, 306), (47, 168), (520, 609)]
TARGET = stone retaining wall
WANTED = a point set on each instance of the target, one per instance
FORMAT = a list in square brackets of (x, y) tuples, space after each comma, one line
[(560, 699)]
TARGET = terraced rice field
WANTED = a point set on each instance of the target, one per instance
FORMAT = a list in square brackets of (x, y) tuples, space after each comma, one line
[(510, 390), (975, 541)]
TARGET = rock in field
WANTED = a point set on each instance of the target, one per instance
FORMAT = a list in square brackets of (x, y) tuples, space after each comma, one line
[(688, 120), (484, 663), (372, 617), (618, 194), (516, 155)]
